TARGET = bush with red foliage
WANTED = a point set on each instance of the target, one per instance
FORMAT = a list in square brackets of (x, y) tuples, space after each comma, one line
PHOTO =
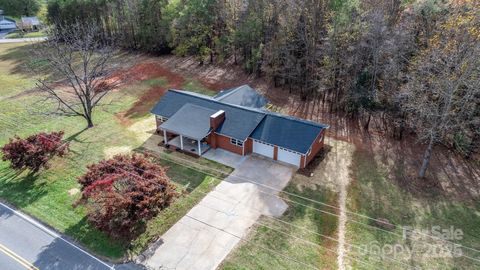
[(35, 151), (122, 193)]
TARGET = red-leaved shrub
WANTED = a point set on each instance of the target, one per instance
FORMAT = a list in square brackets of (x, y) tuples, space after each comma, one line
[(122, 193), (35, 151)]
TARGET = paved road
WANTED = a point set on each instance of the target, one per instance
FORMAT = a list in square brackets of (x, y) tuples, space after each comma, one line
[(20, 40), (3, 33), (26, 244), (209, 232)]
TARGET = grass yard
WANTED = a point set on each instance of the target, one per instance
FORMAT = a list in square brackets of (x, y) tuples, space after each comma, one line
[(271, 237), (197, 86), (50, 195), (20, 34), (374, 195), (370, 192)]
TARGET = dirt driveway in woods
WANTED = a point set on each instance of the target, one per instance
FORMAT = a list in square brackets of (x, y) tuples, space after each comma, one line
[(208, 232)]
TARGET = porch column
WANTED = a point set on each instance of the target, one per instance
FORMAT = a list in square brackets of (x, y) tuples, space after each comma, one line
[(165, 140), (199, 148), (181, 142)]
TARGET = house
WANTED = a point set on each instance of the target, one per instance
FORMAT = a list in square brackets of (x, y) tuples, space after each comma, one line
[(235, 120), (5, 23), (30, 23)]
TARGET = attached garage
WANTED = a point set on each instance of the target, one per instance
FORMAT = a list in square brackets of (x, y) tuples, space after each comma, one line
[(289, 156), (263, 148)]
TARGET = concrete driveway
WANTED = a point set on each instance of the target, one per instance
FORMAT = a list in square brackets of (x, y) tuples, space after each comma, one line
[(205, 236)]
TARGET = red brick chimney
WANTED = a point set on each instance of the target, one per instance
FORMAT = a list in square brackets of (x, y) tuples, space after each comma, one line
[(216, 120)]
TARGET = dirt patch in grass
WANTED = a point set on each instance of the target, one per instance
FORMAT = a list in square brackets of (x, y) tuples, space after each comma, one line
[(145, 103), (73, 191), (215, 86), (144, 129), (112, 151), (448, 173), (142, 72)]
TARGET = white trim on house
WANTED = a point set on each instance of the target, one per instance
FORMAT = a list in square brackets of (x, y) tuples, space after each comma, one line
[(215, 115), (162, 119), (264, 149), (288, 156), (236, 142)]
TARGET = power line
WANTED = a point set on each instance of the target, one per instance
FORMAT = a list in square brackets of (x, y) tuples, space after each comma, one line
[(243, 239), (237, 202), (322, 211), (314, 201), (314, 208), (140, 169)]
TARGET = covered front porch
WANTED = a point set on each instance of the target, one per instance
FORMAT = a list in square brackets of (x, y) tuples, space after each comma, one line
[(194, 146), (190, 127)]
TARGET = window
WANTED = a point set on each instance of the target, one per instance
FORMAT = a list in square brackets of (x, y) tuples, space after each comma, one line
[(236, 142), (161, 118)]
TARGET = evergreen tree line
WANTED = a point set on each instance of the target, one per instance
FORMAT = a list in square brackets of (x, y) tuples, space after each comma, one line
[(413, 63)]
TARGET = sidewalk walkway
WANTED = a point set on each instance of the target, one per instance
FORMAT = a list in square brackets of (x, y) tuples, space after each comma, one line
[(206, 235)]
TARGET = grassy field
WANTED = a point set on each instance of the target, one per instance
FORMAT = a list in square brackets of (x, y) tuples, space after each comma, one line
[(274, 244), (371, 192), (195, 85), (50, 194), (374, 194), (19, 34)]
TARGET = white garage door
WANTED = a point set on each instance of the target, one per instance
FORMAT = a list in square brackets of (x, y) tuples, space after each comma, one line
[(288, 156), (263, 149)]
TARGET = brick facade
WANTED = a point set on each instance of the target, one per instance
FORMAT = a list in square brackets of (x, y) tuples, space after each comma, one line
[(248, 144), (224, 143), (316, 147), (219, 141)]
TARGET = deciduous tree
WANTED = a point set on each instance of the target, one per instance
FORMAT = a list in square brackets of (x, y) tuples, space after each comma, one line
[(122, 193), (19, 8), (81, 59), (443, 92), (34, 152)]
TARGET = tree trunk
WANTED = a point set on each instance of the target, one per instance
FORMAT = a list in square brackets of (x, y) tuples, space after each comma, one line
[(89, 121), (426, 159), (366, 125)]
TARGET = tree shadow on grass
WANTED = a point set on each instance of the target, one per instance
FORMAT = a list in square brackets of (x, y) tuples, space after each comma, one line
[(302, 220), (19, 188), (24, 62), (325, 225), (95, 240)]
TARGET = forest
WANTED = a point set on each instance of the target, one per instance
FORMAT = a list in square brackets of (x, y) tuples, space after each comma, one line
[(415, 64)]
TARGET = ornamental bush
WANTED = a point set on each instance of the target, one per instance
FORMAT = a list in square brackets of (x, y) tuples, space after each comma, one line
[(122, 193), (34, 152)]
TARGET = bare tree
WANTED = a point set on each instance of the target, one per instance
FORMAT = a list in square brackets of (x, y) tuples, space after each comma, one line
[(442, 94), (78, 58)]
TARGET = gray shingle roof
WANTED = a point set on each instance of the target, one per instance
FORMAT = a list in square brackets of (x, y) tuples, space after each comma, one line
[(287, 132), (241, 122), (190, 120), (242, 96)]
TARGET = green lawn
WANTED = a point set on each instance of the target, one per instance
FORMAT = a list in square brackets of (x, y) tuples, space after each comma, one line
[(20, 34), (197, 86), (275, 244), (50, 195), (372, 193)]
